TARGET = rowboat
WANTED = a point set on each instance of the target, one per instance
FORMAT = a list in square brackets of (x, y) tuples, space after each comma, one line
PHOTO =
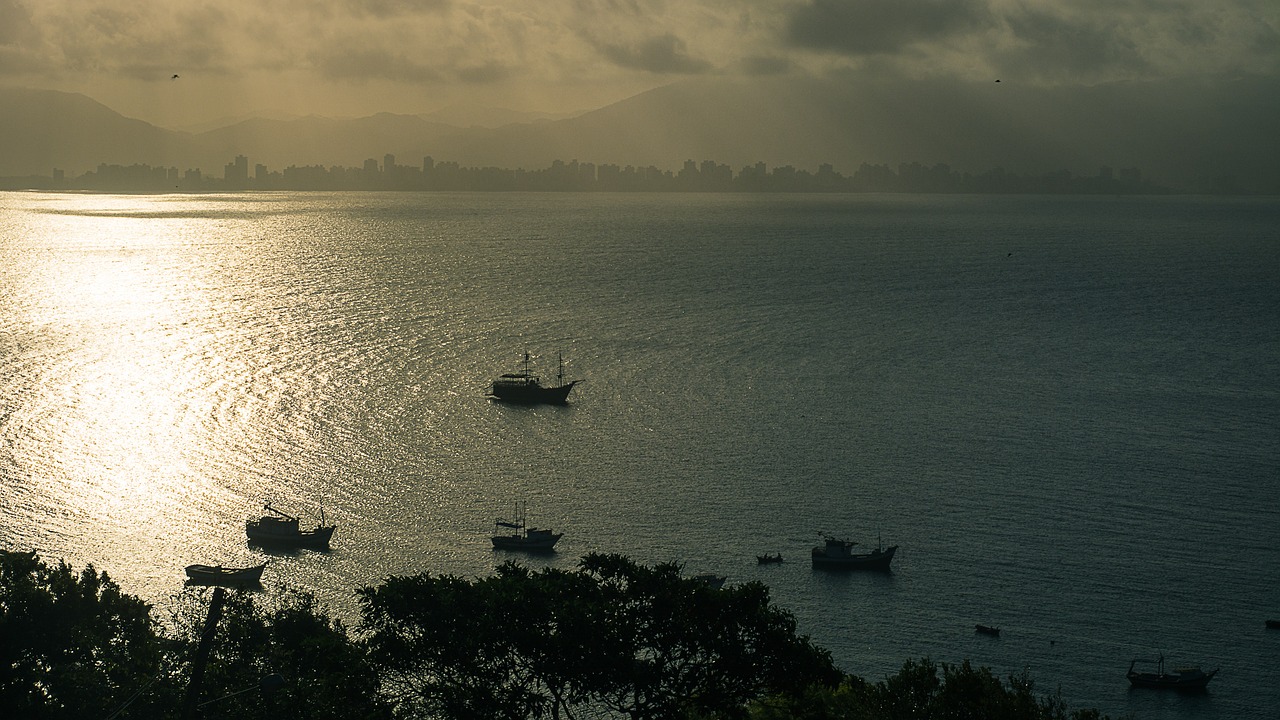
[(226, 576)]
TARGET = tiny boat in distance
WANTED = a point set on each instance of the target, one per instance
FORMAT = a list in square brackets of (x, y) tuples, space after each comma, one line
[(281, 530), (768, 559), (987, 630), (837, 554), (711, 580), (514, 534), (1190, 678), (225, 576), (525, 388)]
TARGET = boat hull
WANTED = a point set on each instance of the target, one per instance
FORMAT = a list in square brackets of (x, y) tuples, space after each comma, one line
[(532, 394), (317, 539), (525, 544), (1182, 682)]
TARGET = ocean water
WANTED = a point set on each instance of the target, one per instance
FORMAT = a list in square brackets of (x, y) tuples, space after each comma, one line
[(1063, 410)]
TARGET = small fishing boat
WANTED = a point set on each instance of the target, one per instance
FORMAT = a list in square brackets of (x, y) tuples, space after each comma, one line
[(1187, 678), (711, 580), (987, 630), (219, 575), (837, 554), (1273, 624), (525, 388), (281, 529), (515, 534), (768, 559)]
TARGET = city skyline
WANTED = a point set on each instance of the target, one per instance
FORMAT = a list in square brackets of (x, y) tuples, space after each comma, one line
[(575, 176)]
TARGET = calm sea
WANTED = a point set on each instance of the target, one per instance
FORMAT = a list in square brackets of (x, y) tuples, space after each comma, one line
[(1065, 411)]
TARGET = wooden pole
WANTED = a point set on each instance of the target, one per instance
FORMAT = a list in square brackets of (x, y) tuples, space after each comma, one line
[(202, 654)]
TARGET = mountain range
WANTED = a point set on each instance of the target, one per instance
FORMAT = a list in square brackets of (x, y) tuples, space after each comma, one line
[(1189, 135)]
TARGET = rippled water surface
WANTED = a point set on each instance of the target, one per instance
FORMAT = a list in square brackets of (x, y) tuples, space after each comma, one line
[(1063, 410)]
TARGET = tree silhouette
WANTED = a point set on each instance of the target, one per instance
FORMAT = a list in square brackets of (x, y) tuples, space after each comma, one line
[(72, 644), (613, 636), (325, 671)]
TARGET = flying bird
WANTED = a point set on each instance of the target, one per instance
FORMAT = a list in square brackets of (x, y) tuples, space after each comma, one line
[(175, 77)]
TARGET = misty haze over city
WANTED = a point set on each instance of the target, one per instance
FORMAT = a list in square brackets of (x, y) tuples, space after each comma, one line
[(1185, 93)]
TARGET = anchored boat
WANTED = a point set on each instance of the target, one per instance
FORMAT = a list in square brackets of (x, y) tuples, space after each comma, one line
[(515, 534), (838, 554), (525, 388), (1187, 678), (281, 529), (219, 575)]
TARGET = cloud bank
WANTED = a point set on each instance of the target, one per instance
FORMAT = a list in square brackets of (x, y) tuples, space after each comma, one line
[(574, 53)]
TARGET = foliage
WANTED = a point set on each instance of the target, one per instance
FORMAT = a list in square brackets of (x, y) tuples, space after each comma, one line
[(613, 636), (325, 671), (610, 639), (918, 693), (73, 645)]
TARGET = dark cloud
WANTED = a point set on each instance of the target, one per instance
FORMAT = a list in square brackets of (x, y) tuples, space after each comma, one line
[(1265, 40), (664, 54), (378, 64), (395, 8), (869, 27), (765, 65), (1072, 46), (15, 23), (484, 73)]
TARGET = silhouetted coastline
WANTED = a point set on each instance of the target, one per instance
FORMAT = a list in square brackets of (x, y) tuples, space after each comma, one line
[(575, 176)]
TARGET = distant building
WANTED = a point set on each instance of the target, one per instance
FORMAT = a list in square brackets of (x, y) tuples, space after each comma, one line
[(236, 173)]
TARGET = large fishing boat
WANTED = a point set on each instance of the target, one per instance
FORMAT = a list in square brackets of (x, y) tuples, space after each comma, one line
[(837, 554), (514, 534), (281, 529), (1189, 678), (526, 388)]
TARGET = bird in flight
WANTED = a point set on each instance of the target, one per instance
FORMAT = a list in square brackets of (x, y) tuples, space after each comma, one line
[(175, 77)]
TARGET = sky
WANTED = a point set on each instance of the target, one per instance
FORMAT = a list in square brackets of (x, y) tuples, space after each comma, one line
[(344, 58)]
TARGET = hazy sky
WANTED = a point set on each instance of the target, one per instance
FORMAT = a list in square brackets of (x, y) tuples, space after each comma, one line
[(356, 57)]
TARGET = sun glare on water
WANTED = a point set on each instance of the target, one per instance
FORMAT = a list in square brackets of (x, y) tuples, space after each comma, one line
[(116, 386)]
